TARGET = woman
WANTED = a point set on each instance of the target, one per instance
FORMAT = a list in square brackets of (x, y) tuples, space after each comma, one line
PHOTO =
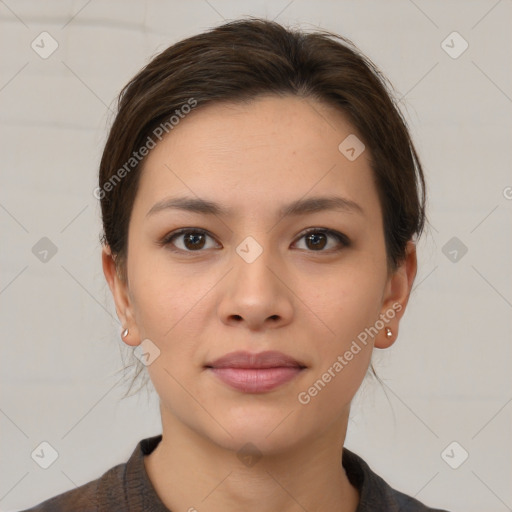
[(261, 198)]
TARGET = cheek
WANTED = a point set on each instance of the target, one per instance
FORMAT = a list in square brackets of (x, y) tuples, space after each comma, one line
[(170, 305), (343, 303), (342, 352), (161, 293)]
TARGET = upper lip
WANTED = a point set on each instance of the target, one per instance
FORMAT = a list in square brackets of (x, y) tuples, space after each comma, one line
[(241, 359)]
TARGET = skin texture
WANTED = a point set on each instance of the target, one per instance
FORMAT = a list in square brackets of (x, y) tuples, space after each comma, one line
[(307, 302)]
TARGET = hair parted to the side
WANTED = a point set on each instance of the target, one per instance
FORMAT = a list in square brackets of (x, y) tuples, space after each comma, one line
[(239, 61)]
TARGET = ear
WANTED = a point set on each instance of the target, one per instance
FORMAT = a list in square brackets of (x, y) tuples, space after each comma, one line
[(120, 293), (396, 296)]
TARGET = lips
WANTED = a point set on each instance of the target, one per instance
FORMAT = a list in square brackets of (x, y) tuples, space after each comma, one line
[(269, 359), (255, 373)]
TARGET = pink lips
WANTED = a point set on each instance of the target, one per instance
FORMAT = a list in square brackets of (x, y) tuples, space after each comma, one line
[(255, 373)]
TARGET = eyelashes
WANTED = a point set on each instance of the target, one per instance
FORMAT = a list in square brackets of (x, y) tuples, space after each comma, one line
[(194, 240), (311, 235), (169, 239)]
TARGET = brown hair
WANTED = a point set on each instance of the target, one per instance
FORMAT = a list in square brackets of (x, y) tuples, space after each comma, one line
[(238, 61)]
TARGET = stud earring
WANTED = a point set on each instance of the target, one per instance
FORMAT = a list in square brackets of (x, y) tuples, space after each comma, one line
[(389, 333), (125, 333)]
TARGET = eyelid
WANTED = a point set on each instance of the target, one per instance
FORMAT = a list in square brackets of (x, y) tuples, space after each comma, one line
[(343, 239), (166, 240)]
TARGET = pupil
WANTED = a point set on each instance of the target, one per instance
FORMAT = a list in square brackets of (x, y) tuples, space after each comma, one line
[(314, 239), (193, 240)]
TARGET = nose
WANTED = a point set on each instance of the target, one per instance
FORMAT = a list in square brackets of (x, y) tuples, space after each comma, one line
[(256, 294)]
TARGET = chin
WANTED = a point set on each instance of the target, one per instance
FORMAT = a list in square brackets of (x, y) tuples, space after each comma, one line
[(254, 442), (265, 430)]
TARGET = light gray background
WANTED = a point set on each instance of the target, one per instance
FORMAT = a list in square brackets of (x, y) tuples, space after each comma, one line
[(447, 377)]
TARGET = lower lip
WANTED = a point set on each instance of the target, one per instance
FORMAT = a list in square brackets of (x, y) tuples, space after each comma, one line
[(256, 380)]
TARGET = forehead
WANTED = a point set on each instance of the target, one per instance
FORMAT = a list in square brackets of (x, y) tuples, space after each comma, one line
[(268, 151)]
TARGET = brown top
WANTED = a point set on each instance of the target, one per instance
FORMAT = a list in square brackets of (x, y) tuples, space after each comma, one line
[(126, 487)]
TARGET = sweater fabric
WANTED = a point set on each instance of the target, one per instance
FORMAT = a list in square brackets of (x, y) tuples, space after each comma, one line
[(127, 488)]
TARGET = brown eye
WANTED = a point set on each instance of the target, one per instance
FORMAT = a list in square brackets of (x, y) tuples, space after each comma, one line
[(194, 241), (317, 239), (188, 240)]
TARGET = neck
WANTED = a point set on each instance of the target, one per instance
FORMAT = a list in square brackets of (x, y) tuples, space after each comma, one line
[(190, 472)]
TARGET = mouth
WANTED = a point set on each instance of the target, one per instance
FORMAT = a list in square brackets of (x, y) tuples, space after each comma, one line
[(255, 373)]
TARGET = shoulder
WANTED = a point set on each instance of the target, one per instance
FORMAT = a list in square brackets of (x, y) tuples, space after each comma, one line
[(375, 493), (123, 487), (94, 496)]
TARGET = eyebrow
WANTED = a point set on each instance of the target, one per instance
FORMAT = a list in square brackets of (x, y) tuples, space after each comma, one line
[(299, 207)]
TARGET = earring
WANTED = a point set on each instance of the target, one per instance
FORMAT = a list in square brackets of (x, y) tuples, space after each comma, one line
[(125, 333), (389, 333)]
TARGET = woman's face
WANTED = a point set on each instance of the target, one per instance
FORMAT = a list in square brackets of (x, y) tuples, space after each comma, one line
[(250, 278)]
